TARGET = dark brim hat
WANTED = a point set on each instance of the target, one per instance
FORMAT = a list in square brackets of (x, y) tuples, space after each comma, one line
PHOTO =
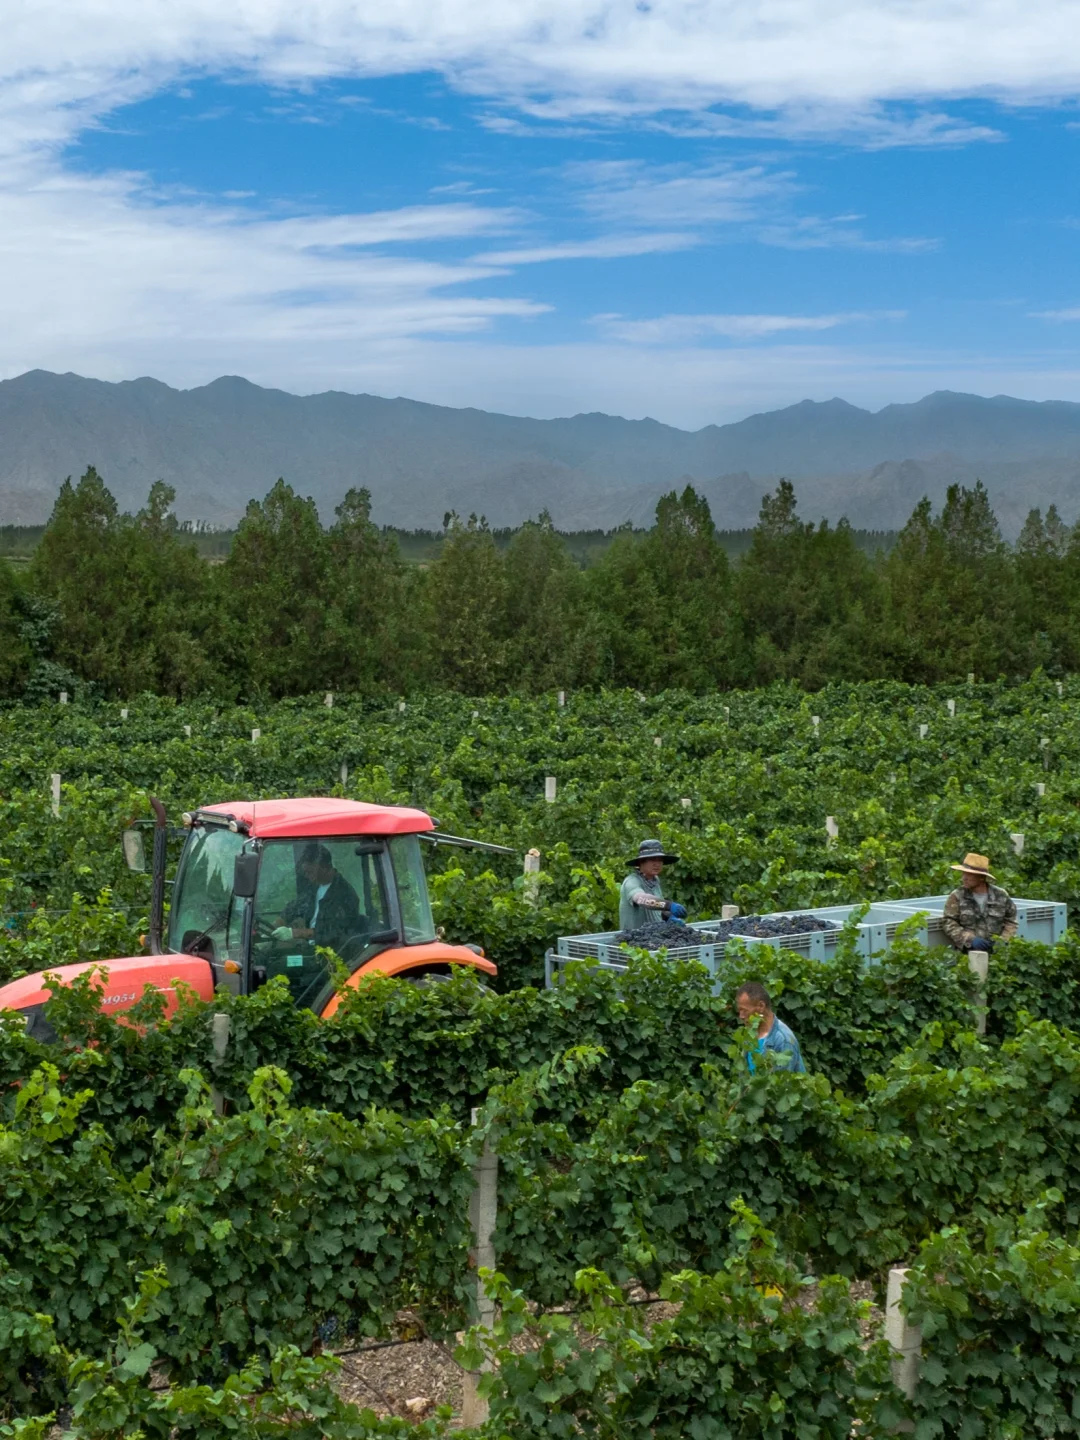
[(652, 850)]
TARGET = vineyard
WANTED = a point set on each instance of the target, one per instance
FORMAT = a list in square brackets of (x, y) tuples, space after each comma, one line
[(171, 1264)]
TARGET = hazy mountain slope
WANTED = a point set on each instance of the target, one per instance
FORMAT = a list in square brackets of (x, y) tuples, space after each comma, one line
[(225, 442)]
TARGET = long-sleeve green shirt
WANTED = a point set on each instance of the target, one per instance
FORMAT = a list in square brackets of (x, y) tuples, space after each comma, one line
[(641, 901)]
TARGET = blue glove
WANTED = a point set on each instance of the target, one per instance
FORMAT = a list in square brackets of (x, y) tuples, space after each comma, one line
[(676, 912), (980, 944)]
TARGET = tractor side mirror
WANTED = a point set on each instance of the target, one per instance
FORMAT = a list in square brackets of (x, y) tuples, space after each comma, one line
[(245, 874), (134, 850)]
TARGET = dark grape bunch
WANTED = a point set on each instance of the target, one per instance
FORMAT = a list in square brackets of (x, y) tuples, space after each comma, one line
[(667, 935), (768, 927), (671, 935)]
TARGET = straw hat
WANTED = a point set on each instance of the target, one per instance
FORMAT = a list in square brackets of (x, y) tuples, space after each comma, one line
[(975, 865), (652, 850)]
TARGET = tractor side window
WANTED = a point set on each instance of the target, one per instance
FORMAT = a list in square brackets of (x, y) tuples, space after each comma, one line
[(203, 896), (416, 920)]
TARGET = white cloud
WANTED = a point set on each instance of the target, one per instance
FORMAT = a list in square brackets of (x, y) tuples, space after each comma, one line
[(680, 329), (1071, 314), (624, 192)]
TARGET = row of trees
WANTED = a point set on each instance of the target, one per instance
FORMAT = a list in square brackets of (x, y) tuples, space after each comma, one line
[(124, 602)]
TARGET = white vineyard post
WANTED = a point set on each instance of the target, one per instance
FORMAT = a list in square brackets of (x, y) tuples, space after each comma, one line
[(532, 877), (328, 699), (815, 720), (55, 780), (220, 1040), (1040, 789), (832, 830), (1044, 746), (63, 697), (124, 713), (950, 705), (187, 731), (979, 965), (1017, 842), (924, 730), (971, 677), (686, 802), (344, 773), (401, 707), (904, 1340), (551, 786), (483, 1215), (255, 734), (657, 741), (1060, 689), (728, 912), (562, 698)]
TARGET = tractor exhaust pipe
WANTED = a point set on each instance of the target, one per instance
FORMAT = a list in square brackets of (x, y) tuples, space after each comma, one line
[(157, 885)]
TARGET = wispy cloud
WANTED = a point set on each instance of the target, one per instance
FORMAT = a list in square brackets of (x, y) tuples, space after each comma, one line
[(839, 232), (682, 329), (625, 192), (1072, 313), (605, 247)]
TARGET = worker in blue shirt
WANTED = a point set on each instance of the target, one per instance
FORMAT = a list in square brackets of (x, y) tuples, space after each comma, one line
[(773, 1036)]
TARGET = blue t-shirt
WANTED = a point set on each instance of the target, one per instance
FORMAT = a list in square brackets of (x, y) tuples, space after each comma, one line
[(782, 1043)]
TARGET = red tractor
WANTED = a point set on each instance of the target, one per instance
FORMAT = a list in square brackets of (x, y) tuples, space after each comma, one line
[(262, 888)]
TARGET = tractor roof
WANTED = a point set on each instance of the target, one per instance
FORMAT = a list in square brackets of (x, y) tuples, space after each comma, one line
[(315, 817)]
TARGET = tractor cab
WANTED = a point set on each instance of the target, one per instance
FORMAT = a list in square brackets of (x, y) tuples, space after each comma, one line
[(277, 887), (264, 889)]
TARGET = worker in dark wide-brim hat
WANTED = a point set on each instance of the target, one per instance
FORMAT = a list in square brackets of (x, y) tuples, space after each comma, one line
[(641, 900), (977, 912)]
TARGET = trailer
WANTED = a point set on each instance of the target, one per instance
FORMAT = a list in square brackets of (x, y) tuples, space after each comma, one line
[(1043, 920)]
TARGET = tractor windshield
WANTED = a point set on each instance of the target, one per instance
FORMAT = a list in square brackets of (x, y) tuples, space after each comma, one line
[(328, 894), (205, 919)]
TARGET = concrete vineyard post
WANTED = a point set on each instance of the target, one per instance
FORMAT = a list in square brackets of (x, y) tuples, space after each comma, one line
[(562, 698), (832, 830), (1040, 789), (551, 786), (328, 700), (815, 720), (55, 785), (124, 713), (686, 802), (255, 734), (657, 741), (728, 912), (1017, 842), (971, 677), (63, 697), (344, 773), (532, 877), (401, 707), (950, 705), (1044, 746), (904, 1340), (924, 730), (1060, 689), (187, 731), (220, 1044), (979, 965), (727, 712), (483, 1215)]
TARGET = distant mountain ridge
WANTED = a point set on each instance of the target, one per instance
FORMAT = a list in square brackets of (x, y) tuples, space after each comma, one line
[(224, 443)]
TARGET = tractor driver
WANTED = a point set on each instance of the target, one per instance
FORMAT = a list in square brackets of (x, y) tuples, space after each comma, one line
[(641, 900), (327, 910)]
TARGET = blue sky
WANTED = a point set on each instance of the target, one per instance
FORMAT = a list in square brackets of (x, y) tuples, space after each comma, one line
[(686, 210)]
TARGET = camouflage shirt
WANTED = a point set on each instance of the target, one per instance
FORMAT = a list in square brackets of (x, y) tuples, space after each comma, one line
[(965, 918)]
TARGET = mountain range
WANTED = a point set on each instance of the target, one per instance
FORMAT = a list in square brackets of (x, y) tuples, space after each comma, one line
[(221, 444)]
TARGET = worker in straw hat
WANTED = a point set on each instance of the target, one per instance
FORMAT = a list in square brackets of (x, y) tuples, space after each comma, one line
[(641, 900), (977, 913)]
